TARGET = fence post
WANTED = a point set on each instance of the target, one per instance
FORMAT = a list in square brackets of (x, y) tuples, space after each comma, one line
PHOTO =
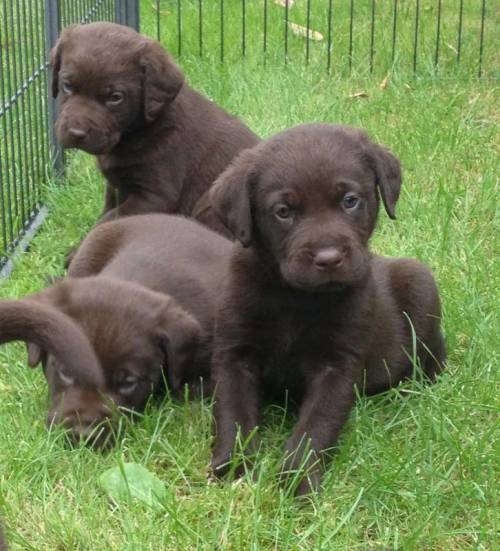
[(51, 36), (127, 13)]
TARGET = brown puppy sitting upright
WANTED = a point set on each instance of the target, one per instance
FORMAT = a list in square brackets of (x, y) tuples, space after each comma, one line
[(158, 142), (307, 307), (137, 308)]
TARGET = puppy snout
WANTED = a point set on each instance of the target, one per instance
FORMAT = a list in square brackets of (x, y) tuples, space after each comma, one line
[(93, 428), (328, 258), (77, 133)]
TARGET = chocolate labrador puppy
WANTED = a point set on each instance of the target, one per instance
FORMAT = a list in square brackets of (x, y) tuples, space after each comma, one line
[(307, 308), (137, 309), (158, 142)]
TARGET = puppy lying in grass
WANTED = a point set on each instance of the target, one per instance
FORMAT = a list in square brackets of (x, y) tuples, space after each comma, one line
[(137, 308), (307, 308)]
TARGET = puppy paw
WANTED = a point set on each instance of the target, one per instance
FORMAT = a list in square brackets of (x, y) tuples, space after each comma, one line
[(219, 467)]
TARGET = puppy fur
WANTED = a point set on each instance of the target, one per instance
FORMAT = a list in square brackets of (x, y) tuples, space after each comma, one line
[(136, 309), (159, 143), (307, 308)]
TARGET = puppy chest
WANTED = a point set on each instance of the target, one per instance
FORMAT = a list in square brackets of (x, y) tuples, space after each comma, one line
[(283, 355)]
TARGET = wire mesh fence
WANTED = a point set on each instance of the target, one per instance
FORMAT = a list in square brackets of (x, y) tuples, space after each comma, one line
[(445, 37), (363, 36), (27, 30)]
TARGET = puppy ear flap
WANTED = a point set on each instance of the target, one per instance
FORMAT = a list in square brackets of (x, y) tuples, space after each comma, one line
[(388, 175), (35, 354), (55, 63), (162, 79), (180, 336), (230, 196)]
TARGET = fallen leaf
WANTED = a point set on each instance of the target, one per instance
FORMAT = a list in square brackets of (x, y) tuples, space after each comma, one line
[(283, 3), (383, 85), (452, 48), (361, 94), (131, 480), (299, 30), (161, 12)]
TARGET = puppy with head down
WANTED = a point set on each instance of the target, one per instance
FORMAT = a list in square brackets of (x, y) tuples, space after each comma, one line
[(307, 308), (159, 143), (135, 313)]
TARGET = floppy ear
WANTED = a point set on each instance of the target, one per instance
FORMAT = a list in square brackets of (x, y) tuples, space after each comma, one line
[(162, 79), (55, 63), (388, 175), (35, 354), (35, 320), (180, 335), (230, 196)]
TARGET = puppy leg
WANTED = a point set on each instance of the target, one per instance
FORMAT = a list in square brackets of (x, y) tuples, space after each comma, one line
[(328, 401), (236, 407)]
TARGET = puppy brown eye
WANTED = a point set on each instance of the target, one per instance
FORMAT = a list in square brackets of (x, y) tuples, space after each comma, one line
[(283, 212), (350, 201), (67, 88), (115, 98), (128, 385)]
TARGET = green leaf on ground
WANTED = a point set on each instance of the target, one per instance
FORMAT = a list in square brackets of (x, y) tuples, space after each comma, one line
[(133, 481)]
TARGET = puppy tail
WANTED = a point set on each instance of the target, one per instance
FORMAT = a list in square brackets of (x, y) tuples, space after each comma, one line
[(54, 332)]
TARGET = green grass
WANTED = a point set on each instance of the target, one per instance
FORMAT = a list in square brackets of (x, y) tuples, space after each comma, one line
[(412, 472)]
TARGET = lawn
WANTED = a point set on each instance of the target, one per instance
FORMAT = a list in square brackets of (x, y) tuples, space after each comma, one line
[(413, 471)]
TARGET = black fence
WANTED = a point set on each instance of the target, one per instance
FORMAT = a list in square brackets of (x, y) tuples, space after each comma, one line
[(27, 30), (362, 36), (452, 38)]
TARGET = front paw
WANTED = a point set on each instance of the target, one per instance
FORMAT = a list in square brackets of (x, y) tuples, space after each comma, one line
[(220, 465), (302, 470)]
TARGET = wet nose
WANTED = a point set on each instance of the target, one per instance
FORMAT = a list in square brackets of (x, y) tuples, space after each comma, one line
[(94, 429), (328, 258), (77, 133)]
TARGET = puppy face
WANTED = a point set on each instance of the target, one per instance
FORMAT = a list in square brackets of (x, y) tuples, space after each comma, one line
[(110, 80), (138, 337), (308, 198)]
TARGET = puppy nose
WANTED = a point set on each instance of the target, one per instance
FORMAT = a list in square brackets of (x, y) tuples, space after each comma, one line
[(77, 133), (330, 257)]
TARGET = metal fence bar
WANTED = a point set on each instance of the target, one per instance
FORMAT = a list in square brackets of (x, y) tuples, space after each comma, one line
[(200, 26), (372, 37), (415, 40), (222, 31), (394, 28), (286, 31), (351, 30), (265, 31), (158, 20), (127, 12), (308, 30), (438, 33), (329, 43), (481, 39), (459, 31), (243, 28), (52, 17), (179, 28)]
